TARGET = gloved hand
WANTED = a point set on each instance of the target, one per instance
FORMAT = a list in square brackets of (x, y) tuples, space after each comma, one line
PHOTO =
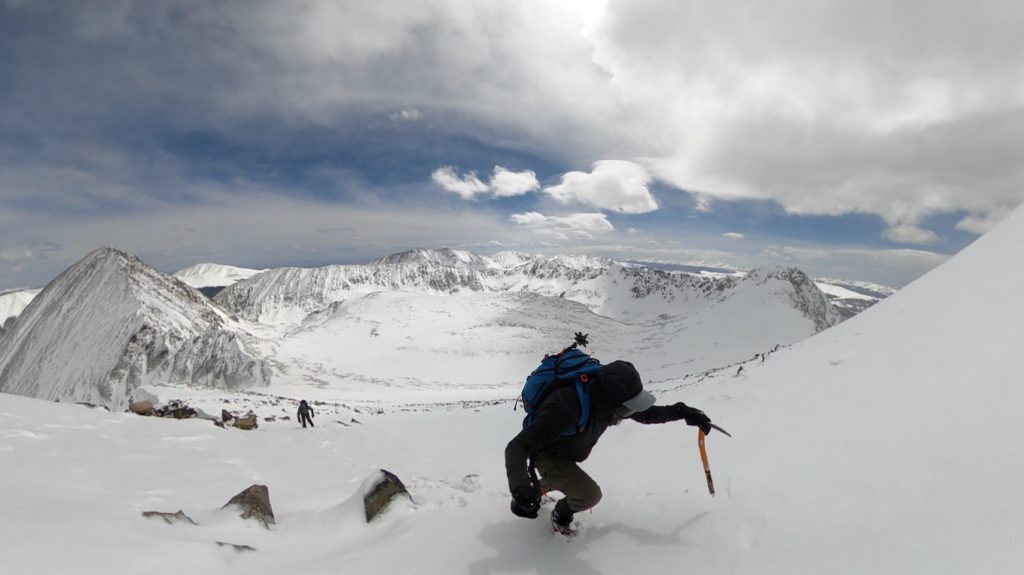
[(526, 501), (693, 416)]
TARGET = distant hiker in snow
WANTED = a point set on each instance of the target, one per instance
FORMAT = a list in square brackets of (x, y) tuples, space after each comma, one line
[(552, 443), (305, 414), (740, 370)]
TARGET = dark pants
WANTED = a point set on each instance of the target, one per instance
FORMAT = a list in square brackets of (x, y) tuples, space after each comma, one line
[(305, 418), (581, 492)]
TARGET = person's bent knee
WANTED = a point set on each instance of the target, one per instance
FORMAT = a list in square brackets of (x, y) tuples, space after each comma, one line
[(586, 499)]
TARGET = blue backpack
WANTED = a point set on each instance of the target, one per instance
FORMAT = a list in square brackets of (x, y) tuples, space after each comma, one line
[(569, 367)]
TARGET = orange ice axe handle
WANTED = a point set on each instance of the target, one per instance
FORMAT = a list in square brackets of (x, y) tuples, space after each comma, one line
[(704, 459)]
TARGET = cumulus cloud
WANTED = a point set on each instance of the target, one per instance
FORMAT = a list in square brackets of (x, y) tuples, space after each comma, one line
[(751, 102), (613, 185), (467, 185), (503, 183), (826, 108), (733, 236)]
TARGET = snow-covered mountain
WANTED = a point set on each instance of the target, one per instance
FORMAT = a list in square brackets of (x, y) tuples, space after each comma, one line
[(109, 324), (211, 278), (447, 319), (624, 292), (852, 297), (12, 303), (889, 444)]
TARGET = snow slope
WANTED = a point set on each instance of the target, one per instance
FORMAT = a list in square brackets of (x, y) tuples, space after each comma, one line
[(13, 302), (889, 444), (109, 324), (213, 275)]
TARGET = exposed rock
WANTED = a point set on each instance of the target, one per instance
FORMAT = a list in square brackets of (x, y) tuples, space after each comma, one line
[(270, 419), (170, 518), (239, 548), (226, 415), (384, 492), (144, 407), (248, 422), (177, 410), (255, 504)]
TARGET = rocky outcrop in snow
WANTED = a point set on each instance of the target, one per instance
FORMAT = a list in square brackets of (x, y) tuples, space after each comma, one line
[(110, 324)]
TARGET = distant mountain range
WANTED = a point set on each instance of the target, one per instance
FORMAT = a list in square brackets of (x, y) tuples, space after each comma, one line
[(111, 323)]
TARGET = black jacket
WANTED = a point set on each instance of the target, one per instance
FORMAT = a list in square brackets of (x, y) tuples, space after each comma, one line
[(559, 413)]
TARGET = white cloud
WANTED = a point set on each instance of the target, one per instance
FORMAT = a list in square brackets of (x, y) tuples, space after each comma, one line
[(910, 234), (982, 223), (583, 225), (614, 185), (506, 183), (733, 236), (467, 185)]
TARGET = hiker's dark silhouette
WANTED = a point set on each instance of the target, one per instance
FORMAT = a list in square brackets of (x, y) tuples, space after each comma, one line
[(552, 444), (305, 414)]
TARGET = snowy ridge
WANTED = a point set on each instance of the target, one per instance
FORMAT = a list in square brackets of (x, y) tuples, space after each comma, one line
[(472, 326), (12, 303), (213, 275), (626, 292), (109, 324)]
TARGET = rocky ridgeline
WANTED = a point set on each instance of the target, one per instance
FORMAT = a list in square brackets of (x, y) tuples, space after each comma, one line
[(290, 295), (110, 324)]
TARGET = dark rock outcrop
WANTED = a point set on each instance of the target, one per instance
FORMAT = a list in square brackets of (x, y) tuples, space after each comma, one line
[(247, 422), (170, 518), (387, 489), (254, 503), (239, 548)]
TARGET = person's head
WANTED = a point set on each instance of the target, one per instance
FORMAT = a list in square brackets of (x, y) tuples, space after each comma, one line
[(623, 390)]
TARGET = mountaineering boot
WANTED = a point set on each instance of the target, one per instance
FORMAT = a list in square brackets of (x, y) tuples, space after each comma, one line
[(561, 520)]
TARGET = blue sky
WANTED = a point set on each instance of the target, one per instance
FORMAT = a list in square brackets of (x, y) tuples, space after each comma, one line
[(857, 140)]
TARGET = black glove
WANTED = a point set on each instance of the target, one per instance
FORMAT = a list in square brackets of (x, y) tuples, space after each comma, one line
[(693, 416), (526, 501)]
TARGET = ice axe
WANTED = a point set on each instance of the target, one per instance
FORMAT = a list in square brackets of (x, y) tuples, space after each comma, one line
[(704, 456)]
